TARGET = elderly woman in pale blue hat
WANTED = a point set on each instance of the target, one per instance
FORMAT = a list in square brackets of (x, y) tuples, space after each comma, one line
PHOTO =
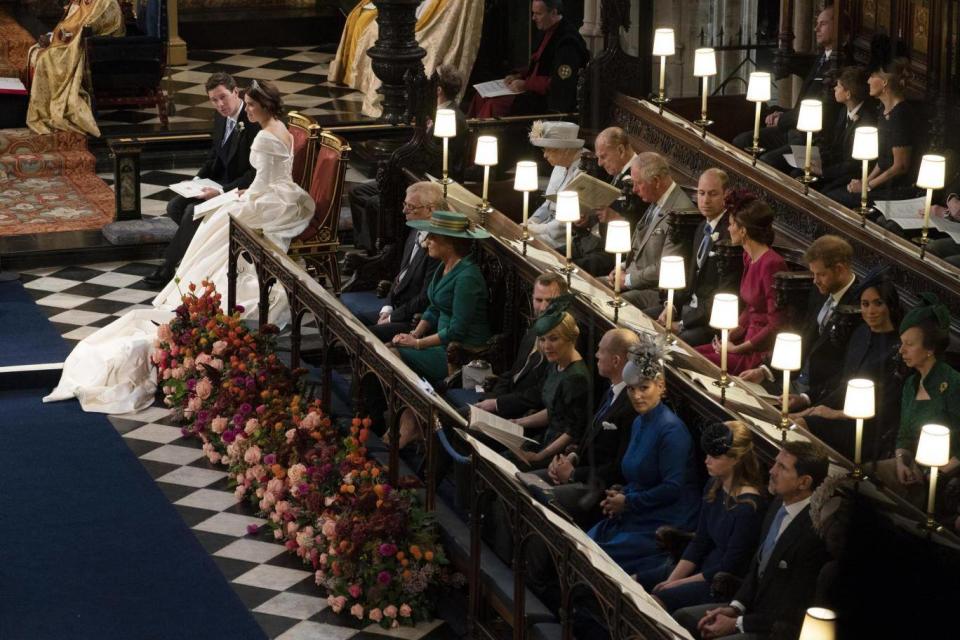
[(562, 147)]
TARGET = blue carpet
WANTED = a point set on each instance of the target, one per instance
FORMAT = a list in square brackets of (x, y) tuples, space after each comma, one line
[(27, 336), (89, 546)]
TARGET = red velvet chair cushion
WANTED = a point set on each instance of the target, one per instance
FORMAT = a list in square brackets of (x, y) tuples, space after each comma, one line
[(323, 187)]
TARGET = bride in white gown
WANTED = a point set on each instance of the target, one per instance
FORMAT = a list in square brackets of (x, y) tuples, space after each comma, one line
[(110, 371)]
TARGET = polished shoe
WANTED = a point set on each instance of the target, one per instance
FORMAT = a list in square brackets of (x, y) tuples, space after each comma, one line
[(159, 278)]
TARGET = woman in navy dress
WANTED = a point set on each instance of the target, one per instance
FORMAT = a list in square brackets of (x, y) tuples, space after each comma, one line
[(730, 519), (658, 466)]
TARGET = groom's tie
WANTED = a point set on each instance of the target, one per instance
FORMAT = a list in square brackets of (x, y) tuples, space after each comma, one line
[(231, 123)]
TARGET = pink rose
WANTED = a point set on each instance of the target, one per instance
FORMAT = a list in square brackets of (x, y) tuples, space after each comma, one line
[(375, 614), (323, 559), (390, 611), (355, 590), (296, 473), (336, 603), (239, 492), (201, 360), (329, 528), (252, 455), (310, 422), (217, 364), (219, 347), (218, 425), (291, 434), (194, 404), (277, 534), (188, 363), (282, 507), (204, 388), (251, 426), (357, 611), (276, 486), (405, 610)]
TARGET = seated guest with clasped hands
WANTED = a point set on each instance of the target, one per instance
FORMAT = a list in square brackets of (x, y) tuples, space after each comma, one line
[(782, 578)]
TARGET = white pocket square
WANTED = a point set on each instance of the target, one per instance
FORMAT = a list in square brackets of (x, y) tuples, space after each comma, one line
[(782, 565), (608, 426)]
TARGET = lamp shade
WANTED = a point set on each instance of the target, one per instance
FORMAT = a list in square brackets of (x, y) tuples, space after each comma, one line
[(758, 89), (618, 237), (860, 399), (786, 352), (568, 206), (865, 143), (704, 62), (526, 178), (811, 116), (486, 151), (933, 449), (445, 124), (663, 44), (672, 273), (726, 311), (932, 169), (819, 624)]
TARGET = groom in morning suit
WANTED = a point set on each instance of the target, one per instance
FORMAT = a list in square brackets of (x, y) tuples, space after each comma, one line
[(227, 164), (783, 575)]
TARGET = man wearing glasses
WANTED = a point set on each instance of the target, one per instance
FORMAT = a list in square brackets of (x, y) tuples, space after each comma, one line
[(407, 294)]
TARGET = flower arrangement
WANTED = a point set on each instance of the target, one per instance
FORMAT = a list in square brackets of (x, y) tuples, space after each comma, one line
[(373, 548)]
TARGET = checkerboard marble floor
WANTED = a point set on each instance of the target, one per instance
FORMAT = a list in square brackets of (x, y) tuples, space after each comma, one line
[(300, 74), (274, 585)]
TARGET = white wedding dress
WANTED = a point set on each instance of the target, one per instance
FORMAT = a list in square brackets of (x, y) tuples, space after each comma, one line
[(110, 371)]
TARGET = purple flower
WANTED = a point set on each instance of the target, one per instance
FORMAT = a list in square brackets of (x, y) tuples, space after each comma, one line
[(252, 529), (245, 408), (250, 385), (387, 549), (303, 488), (203, 416), (229, 436), (261, 409), (191, 384), (238, 419), (270, 458), (383, 577)]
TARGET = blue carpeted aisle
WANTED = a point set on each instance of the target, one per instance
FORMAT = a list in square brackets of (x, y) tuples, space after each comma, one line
[(26, 336), (89, 546)]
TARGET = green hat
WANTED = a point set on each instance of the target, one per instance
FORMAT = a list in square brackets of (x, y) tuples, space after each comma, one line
[(553, 315), (928, 309), (449, 223)]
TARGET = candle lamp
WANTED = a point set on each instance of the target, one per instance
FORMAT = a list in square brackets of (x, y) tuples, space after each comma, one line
[(819, 624), (758, 91), (673, 276), (865, 148), (859, 404), (786, 357), (485, 157), (810, 120), (618, 243), (933, 450), (704, 66), (445, 126), (568, 211), (724, 316), (932, 170), (526, 180), (663, 46)]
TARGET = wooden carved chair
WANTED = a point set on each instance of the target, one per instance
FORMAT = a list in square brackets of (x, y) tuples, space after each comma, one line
[(325, 173), (306, 134)]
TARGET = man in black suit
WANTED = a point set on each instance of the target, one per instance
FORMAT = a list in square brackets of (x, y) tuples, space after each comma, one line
[(692, 322), (782, 579), (830, 260), (407, 297), (365, 197), (517, 391), (614, 155), (228, 164), (780, 124)]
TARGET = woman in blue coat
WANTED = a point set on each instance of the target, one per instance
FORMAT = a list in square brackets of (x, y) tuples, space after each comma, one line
[(662, 486)]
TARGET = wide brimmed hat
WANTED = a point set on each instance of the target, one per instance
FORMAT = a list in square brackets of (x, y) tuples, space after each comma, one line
[(449, 223), (555, 135)]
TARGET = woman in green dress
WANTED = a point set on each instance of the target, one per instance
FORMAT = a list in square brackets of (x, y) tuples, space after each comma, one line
[(930, 396), (566, 390), (457, 294)]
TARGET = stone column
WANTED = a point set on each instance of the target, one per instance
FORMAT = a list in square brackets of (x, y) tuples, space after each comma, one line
[(176, 47), (395, 52), (591, 26)]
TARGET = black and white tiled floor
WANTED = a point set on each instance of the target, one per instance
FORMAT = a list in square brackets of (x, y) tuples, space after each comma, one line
[(300, 74), (275, 586)]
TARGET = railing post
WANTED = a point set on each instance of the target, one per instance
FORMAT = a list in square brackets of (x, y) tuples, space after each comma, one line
[(476, 516), (232, 254)]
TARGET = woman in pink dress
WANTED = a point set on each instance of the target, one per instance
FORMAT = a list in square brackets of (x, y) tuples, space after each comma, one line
[(751, 226)]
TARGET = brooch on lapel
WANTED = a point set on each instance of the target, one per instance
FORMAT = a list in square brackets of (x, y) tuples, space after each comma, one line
[(943, 387)]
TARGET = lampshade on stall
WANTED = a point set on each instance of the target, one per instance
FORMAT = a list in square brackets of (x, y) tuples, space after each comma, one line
[(811, 116), (445, 123), (663, 42), (704, 62), (786, 352), (726, 311), (932, 171), (618, 237), (860, 400), (865, 143), (933, 449), (819, 624), (568, 206), (526, 178), (486, 155), (673, 275), (758, 89)]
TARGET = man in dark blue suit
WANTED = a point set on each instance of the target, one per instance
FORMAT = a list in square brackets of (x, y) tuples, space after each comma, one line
[(782, 579), (228, 164)]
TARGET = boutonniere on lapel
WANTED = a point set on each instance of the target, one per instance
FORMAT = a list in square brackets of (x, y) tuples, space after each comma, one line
[(240, 126), (714, 236)]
